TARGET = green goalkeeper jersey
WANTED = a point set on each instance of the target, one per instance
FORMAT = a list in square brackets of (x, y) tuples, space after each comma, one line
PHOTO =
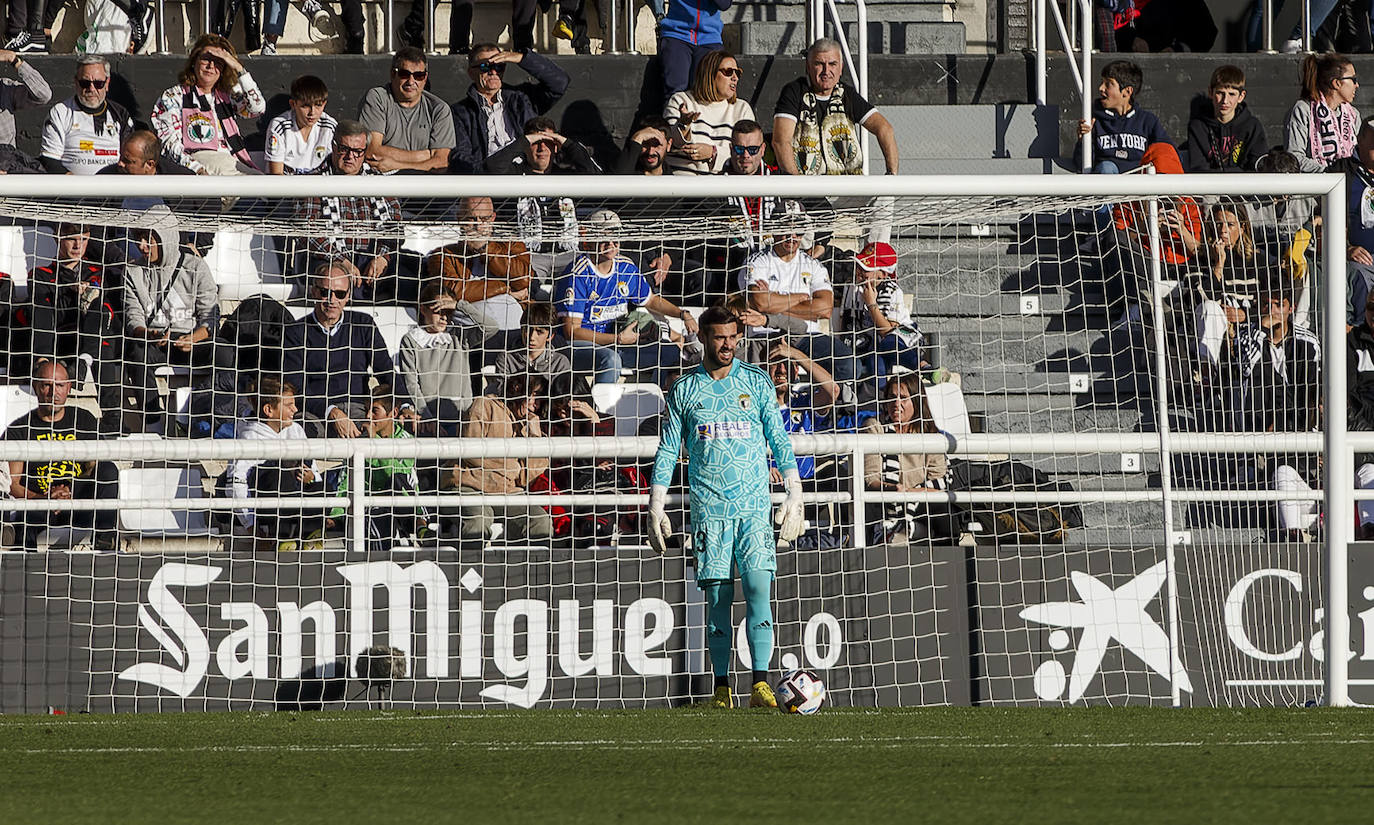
[(728, 426)]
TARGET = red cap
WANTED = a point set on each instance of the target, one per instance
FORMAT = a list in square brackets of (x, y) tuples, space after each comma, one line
[(877, 255)]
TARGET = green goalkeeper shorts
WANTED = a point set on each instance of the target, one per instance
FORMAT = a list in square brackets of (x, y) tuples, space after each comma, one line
[(744, 544)]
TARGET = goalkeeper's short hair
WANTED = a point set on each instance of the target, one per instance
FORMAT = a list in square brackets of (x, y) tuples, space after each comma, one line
[(717, 315)]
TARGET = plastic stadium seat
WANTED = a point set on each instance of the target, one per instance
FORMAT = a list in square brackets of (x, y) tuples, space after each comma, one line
[(631, 404), (15, 402), (162, 482), (245, 264)]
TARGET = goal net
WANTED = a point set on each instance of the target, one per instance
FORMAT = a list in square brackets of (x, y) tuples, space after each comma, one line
[(392, 442)]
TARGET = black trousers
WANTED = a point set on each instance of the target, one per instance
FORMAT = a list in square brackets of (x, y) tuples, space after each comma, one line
[(103, 483), (413, 29)]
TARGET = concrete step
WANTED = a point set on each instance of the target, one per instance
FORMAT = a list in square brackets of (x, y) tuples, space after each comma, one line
[(785, 11), (896, 37), (1000, 131), (1054, 414), (931, 304), (970, 166)]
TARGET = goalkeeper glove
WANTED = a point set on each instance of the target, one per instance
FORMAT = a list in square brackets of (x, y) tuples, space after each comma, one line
[(790, 518), (660, 528)]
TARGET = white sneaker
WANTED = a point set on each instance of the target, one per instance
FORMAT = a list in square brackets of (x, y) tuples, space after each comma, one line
[(268, 48), (1291, 46), (319, 16)]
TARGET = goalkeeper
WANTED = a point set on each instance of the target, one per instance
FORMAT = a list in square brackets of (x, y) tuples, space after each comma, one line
[(727, 412)]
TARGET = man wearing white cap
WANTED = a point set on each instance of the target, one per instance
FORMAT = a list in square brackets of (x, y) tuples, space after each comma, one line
[(595, 294), (875, 310)]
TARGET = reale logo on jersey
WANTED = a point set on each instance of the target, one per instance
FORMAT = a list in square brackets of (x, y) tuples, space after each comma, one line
[(1102, 616)]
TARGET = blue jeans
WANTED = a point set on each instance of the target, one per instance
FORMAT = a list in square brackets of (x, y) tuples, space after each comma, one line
[(274, 17), (1254, 27), (606, 362), (878, 357), (680, 60)]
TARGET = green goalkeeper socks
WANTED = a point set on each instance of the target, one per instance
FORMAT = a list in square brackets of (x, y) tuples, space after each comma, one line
[(720, 595), (758, 589)]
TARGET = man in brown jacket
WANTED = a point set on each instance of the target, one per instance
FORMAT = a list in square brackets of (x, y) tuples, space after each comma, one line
[(514, 416), (486, 282)]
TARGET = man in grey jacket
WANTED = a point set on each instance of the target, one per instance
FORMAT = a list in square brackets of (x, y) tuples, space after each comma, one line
[(171, 303)]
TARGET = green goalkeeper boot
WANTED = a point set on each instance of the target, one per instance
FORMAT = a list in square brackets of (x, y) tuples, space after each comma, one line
[(762, 696)]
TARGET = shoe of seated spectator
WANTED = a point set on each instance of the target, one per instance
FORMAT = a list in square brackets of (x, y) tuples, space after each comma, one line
[(564, 28), (1291, 46), (319, 16), (106, 541), (139, 22), (268, 48), (28, 43)]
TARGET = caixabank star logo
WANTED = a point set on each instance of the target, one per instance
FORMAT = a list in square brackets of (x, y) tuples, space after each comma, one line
[(1103, 616)]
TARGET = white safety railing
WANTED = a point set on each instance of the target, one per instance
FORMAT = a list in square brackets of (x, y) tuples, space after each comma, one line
[(1079, 59)]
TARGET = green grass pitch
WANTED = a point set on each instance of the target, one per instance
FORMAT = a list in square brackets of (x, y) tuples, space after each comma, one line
[(1107, 765)]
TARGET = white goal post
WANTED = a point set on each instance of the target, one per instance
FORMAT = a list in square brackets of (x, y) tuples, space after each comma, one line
[(1067, 415)]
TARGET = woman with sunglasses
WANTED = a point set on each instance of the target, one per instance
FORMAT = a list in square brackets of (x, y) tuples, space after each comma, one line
[(195, 118), (703, 116), (1320, 128)]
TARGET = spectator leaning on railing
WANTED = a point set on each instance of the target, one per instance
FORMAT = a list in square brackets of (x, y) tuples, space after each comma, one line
[(59, 478)]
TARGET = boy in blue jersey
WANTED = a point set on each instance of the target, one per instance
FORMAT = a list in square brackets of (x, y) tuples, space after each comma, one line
[(596, 291), (726, 411)]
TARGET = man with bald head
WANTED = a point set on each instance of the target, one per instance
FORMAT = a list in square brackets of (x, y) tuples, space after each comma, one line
[(485, 281), (59, 479), (140, 153)]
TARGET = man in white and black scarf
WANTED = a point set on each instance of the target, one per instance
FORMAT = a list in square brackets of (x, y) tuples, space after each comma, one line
[(354, 229)]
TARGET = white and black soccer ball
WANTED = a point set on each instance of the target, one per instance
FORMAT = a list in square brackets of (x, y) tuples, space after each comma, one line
[(801, 691)]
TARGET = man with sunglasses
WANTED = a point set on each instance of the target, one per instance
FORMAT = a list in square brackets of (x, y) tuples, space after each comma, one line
[(491, 116), (331, 353), (371, 257), (411, 129), (84, 132)]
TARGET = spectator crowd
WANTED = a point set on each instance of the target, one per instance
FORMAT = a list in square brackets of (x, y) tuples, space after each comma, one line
[(514, 329)]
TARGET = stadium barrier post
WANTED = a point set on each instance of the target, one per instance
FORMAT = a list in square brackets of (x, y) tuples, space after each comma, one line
[(1086, 79), (1165, 454), (857, 481), (357, 512), (1041, 53), (1340, 460)]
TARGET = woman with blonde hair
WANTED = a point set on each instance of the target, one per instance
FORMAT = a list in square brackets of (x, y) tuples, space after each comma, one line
[(703, 115), (195, 118), (1320, 128)]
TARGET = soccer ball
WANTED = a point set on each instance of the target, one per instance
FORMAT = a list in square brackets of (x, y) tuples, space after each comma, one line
[(801, 691)]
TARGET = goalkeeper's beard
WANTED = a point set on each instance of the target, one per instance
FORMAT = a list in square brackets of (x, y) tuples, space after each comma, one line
[(723, 357)]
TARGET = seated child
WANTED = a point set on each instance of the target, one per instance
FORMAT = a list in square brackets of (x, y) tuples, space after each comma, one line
[(275, 412), (1120, 131), (299, 139), (1225, 137)]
